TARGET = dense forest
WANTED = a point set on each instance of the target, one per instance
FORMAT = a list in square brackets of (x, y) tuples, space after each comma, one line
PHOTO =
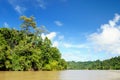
[(24, 49), (113, 63)]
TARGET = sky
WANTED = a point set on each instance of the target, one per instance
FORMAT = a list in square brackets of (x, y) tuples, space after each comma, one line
[(82, 30)]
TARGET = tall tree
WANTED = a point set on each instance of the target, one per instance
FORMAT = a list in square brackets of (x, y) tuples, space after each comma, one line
[(28, 23)]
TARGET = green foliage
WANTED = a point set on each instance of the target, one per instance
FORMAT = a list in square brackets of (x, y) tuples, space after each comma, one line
[(28, 23), (23, 50), (113, 63)]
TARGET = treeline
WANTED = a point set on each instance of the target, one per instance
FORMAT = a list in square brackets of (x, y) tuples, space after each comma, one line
[(113, 63), (23, 50)]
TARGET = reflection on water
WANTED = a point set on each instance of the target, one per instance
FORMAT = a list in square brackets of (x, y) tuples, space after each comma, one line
[(61, 75)]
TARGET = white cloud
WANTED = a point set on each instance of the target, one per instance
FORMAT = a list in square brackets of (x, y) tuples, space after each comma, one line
[(76, 56), (58, 41), (58, 23), (50, 36), (55, 44), (41, 4), (6, 24), (22, 5), (108, 39), (18, 5), (69, 45), (71, 57), (20, 9)]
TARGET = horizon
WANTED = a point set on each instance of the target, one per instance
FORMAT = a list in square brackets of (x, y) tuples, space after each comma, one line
[(81, 30)]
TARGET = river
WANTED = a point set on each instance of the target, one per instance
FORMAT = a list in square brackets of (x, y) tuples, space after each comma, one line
[(61, 75)]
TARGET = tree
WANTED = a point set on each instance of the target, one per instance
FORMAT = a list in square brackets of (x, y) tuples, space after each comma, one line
[(28, 23), (23, 50)]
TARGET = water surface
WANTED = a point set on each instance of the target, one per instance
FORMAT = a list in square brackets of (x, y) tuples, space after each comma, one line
[(61, 75)]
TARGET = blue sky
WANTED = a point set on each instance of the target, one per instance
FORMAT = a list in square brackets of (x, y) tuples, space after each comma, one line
[(82, 29)]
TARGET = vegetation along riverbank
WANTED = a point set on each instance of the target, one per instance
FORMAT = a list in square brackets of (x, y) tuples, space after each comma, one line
[(108, 64), (24, 49)]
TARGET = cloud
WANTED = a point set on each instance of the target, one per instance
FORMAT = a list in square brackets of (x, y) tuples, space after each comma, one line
[(20, 9), (55, 44), (69, 45), (58, 23), (58, 41), (108, 37), (18, 5), (22, 5), (6, 24), (50, 36), (71, 57), (42, 4), (76, 55)]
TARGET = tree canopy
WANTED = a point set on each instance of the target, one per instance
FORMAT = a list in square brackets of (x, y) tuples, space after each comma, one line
[(113, 63), (23, 50)]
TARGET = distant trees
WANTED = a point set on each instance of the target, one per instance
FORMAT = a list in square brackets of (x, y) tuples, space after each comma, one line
[(23, 50), (113, 63)]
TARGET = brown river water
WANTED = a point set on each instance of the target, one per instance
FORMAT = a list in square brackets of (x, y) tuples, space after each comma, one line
[(61, 75)]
